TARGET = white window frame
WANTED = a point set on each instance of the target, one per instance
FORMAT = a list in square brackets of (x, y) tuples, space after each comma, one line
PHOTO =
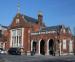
[(17, 20), (16, 44), (64, 43), (70, 46)]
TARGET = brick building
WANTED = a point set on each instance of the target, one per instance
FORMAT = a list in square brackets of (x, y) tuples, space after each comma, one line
[(3, 37), (32, 35)]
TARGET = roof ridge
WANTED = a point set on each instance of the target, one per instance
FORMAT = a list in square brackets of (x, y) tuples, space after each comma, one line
[(30, 17)]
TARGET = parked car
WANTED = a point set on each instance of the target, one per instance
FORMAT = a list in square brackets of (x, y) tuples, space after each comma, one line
[(2, 51), (14, 51)]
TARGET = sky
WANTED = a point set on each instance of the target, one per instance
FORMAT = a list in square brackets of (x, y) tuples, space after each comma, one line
[(55, 12)]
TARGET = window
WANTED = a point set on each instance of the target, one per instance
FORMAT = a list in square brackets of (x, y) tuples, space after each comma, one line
[(70, 46), (17, 20), (19, 32), (13, 32), (64, 30), (13, 37), (64, 44), (16, 37), (14, 41)]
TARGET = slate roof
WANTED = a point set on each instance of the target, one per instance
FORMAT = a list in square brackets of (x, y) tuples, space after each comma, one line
[(27, 18), (3, 26), (30, 19), (52, 28)]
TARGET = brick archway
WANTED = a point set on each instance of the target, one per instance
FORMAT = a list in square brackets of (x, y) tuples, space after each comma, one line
[(42, 47), (50, 47), (33, 46)]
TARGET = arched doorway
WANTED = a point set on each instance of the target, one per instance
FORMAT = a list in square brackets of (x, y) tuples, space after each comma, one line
[(42, 47), (33, 47), (51, 47)]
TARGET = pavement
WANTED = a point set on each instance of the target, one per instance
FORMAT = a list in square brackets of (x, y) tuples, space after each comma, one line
[(36, 58)]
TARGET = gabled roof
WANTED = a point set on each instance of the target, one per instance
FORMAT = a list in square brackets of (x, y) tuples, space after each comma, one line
[(27, 18)]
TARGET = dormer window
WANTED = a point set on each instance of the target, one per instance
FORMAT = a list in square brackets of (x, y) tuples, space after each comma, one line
[(64, 30), (69, 31), (17, 20)]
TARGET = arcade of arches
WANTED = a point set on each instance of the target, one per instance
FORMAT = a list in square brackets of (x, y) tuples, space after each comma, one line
[(43, 47), (51, 47)]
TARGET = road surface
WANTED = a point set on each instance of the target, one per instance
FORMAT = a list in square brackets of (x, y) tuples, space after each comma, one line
[(23, 58)]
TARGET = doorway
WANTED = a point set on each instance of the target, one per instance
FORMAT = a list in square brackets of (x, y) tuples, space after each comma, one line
[(34, 47), (51, 47), (42, 47)]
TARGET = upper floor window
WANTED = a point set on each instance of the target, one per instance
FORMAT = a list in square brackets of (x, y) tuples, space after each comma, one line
[(64, 43), (64, 30), (17, 20), (19, 32), (16, 32), (16, 37), (13, 32)]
